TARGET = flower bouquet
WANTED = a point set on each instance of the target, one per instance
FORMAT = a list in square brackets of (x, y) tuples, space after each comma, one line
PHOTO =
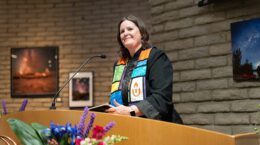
[(37, 134)]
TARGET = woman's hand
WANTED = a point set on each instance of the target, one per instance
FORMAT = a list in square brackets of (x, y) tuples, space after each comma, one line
[(119, 109)]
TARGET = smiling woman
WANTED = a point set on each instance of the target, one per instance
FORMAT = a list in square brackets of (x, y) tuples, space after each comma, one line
[(142, 82), (130, 36)]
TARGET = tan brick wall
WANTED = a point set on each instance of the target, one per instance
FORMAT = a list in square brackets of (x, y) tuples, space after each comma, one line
[(81, 28), (198, 42)]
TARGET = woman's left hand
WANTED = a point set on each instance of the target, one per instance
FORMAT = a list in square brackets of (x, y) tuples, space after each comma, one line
[(119, 109)]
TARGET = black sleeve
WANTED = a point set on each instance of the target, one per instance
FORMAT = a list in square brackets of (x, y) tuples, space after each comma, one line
[(158, 104)]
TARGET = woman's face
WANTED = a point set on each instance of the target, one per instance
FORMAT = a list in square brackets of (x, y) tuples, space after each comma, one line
[(130, 36)]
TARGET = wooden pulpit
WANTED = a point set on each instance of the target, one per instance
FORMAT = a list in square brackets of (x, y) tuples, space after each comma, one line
[(140, 131)]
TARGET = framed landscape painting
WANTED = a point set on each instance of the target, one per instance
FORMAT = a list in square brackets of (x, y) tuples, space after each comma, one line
[(34, 71), (245, 37), (81, 89)]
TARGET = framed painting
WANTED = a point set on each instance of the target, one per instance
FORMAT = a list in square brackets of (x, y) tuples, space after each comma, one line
[(81, 89), (34, 71), (245, 37)]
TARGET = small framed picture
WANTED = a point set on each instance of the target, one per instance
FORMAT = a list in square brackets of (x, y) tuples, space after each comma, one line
[(81, 89)]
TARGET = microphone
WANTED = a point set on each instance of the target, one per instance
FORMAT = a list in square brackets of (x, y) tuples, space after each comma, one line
[(53, 104)]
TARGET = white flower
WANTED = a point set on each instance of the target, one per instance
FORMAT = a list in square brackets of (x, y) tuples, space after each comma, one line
[(87, 141), (83, 142)]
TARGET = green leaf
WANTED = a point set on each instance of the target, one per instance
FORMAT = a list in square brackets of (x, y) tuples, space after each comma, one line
[(64, 140), (24, 132), (42, 131)]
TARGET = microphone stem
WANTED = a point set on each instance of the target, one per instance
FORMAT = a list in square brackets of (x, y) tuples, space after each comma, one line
[(53, 104)]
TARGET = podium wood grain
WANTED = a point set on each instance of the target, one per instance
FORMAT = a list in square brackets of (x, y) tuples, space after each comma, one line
[(140, 131)]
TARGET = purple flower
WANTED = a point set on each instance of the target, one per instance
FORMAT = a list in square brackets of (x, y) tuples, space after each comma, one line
[(82, 122), (109, 126), (4, 107), (23, 106), (90, 124)]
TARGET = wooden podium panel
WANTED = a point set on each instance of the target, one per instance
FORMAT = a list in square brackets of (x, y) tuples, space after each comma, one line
[(139, 131)]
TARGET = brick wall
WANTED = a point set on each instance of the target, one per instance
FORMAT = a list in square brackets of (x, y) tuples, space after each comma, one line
[(81, 28), (196, 39), (198, 42)]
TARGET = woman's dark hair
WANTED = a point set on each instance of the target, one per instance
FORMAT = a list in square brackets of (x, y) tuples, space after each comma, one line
[(142, 28)]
